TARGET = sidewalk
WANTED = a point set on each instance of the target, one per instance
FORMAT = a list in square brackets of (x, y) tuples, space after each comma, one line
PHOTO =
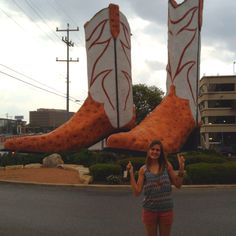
[(35, 174), (86, 179)]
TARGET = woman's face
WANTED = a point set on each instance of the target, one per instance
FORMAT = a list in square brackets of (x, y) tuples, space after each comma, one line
[(155, 151)]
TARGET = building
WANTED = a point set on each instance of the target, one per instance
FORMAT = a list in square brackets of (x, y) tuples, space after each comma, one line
[(8, 126), (12, 126), (45, 120), (217, 104)]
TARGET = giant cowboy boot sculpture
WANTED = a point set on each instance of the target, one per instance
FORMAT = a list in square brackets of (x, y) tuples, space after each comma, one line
[(109, 105), (175, 118)]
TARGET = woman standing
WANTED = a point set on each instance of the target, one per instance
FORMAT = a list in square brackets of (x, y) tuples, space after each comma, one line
[(156, 178)]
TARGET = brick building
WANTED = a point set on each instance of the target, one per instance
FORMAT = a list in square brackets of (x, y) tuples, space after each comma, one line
[(44, 120)]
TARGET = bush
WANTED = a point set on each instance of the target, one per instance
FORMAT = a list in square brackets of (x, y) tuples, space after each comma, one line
[(20, 158), (196, 157), (106, 157), (31, 158), (206, 173), (101, 171), (84, 157), (137, 162), (68, 158), (114, 179), (87, 158)]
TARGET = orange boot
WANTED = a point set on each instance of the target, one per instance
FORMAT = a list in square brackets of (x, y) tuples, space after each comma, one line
[(174, 119), (171, 122), (109, 106)]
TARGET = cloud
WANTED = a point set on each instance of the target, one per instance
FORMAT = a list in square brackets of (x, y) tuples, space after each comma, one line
[(218, 24), (31, 44), (155, 65)]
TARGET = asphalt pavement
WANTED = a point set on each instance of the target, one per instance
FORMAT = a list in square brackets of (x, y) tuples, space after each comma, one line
[(37, 210)]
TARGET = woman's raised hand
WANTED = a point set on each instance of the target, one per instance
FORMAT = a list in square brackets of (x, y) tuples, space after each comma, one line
[(181, 161), (129, 167)]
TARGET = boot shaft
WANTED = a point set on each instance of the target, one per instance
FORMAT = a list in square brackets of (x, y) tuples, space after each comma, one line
[(184, 26), (109, 64)]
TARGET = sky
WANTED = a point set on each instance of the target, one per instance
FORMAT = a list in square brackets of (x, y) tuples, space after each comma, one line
[(31, 78)]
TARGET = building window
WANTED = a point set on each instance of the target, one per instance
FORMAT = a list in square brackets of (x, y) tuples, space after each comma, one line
[(221, 87), (222, 119), (220, 103)]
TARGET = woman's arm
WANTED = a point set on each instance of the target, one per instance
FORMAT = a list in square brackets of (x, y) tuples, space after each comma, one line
[(177, 179), (137, 187)]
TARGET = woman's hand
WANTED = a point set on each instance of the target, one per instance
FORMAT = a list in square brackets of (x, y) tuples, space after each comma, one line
[(136, 186), (181, 161), (130, 167)]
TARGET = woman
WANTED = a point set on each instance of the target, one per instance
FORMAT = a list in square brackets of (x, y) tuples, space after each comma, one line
[(156, 177)]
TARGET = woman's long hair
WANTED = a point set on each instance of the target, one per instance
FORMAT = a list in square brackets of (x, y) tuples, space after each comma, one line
[(162, 161)]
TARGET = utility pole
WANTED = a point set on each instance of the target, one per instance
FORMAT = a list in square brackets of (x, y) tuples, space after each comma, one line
[(68, 43)]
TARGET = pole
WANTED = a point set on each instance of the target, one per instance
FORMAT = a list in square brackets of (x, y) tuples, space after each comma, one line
[(197, 129), (68, 74), (69, 44)]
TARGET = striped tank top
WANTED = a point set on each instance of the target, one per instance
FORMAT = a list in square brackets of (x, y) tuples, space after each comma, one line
[(157, 192)]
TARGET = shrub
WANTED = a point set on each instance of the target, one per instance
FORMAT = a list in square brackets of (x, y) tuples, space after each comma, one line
[(196, 157), (106, 157), (101, 171), (20, 158), (84, 157), (69, 158), (137, 162), (114, 179), (31, 158), (4, 159), (206, 173), (204, 158)]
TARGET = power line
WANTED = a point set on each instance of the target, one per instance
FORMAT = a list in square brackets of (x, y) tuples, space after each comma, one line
[(11, 18), (35, 86), (22, 9), (28, 77), (33, 7), (62, 9), (57, 7)]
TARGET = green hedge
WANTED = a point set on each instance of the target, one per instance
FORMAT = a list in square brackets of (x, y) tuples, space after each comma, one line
[(137, 162), (196, 157), (206, 173), (87, 158), (20, 159), (114, 179), (101, 171)]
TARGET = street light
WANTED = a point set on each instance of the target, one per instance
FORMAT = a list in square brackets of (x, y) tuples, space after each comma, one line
[(233, 67)]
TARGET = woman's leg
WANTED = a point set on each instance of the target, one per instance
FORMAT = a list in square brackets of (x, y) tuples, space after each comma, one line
[(165, 229), (165, 223), (150, 220), (151, 229)]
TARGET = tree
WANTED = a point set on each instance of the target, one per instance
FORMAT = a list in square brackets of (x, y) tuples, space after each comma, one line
[(146, 98)]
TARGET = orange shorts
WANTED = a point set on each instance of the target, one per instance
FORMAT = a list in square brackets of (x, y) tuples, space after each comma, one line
[(152, 217)]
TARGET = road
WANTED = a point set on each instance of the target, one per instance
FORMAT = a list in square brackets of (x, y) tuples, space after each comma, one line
[(33, 210)]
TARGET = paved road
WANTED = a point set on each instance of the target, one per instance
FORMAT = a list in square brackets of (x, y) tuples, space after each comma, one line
[(29, 210)]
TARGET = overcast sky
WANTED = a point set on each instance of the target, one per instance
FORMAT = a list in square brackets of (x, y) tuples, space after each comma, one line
[(30, 44)]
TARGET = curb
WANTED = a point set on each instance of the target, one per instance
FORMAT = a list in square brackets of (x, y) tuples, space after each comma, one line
[(216, 186), (83, 175)]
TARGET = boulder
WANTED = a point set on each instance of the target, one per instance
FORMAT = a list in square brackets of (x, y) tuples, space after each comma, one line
[(52, 160)]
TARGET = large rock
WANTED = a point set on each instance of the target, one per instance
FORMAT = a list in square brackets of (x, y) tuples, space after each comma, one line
[(52, 161)]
